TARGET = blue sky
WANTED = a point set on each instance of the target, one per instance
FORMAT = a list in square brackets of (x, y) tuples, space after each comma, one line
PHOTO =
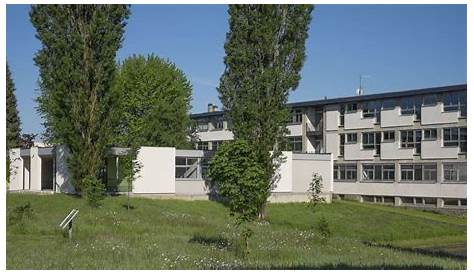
[(399, 46)]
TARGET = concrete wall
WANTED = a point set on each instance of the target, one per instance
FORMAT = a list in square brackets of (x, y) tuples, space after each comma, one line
[(331, 119), (431, 115), (191, 187), (157, 173), (217, 135), (63, 178), (284, 183), (295, 130), (434, 150), (403, 189), (304, 165), (355, 152), (16, 170), (35, 169), (392, 118), (332, 143), (392, 150), (354, 120)]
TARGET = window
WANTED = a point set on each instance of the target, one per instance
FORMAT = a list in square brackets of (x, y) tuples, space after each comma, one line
[(371, 140), (203, 126), (455, 172), (430, 134), (411, 139), (351, 138), (188, 167), (418, 172), (341, 115), (389, 136), (341, 144), (455, 102), (410, 106), (295, 144), (203, 146), (218, 124), (216, 144), (430, 100), (351, 107), (388, 104), (344, 172), (371, 110), (296, 116), (378, 172), (454, 136)]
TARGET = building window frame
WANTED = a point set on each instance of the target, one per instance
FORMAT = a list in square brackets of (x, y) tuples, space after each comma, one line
[(191, 165), (416, 173), (455, 137), (389, 136), (345, 173), (296, 117), (203, 145), (455, 172), (295, 143), (351, 138), (430, 134), (378, 172)]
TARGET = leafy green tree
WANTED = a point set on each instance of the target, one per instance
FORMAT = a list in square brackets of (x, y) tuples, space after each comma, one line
[(154, 103), (238, 176), (13, 120), (265, 51), (76, 64)]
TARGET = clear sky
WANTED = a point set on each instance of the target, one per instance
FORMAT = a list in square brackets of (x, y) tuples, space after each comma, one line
[(399, 46)]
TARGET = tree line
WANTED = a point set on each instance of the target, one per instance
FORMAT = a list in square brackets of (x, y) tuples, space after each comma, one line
[(90, 102)]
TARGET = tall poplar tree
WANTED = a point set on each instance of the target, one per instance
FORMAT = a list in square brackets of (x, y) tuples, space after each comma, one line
[(265, 51), (13, 120), (76, 64)]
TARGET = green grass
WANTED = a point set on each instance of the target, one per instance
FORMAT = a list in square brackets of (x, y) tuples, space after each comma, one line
[(171, 234)]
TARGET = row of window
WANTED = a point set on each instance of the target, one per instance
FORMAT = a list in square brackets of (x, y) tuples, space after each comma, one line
[(193, 168), (452, 137), (205, 145), (426, 172), (217, 124), (455, 101)]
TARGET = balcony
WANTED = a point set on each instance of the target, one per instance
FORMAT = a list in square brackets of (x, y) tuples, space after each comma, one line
[(312, 130)]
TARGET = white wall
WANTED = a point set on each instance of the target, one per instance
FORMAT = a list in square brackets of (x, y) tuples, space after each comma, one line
[(392, 118), (332, 142), (35, 169), (331, 117), (285, 174), (402, 189), (354, 120), (355, 152), (431, 115), (157, 174), (392, 150), (216, 135), (16, 170), (304, 165), (63, 178), (295, 130), (435, 150)]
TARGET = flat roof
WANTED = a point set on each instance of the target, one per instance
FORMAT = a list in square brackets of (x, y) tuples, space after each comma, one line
[(375, 96)]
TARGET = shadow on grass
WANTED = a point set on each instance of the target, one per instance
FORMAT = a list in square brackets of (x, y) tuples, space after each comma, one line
[(342, 266), (215, 241), (423, 251), (125, 206)]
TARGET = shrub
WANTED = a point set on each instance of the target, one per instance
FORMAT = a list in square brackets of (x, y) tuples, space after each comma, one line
[(18, 214), (324, 230), (315, 190), (94, 190)]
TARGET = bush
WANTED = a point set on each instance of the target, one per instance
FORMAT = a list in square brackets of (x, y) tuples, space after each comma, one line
[(324, 230), (315, 189), (94, 190), (20, 213)]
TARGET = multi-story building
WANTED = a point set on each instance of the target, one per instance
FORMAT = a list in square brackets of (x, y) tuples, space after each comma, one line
[(406, 147)]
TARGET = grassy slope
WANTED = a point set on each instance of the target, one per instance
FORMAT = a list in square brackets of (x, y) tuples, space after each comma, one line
[(163, 234)]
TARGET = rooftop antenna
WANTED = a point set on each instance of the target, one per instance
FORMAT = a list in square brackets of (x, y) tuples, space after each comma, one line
[(360, 90)]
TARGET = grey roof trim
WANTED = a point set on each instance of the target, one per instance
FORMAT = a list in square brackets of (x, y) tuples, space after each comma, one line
[(376, 96), (189, 153), (46, 151), (24, 152)]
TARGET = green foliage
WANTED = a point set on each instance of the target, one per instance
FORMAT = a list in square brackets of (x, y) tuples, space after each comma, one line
[(19, 213), (315, 189), (13, 120), (76, 65), (324, 230), (265, 51), (94, 191), (239, 178), (154, 102)]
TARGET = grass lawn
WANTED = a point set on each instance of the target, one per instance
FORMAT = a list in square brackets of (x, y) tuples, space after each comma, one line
[(171, 234)]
